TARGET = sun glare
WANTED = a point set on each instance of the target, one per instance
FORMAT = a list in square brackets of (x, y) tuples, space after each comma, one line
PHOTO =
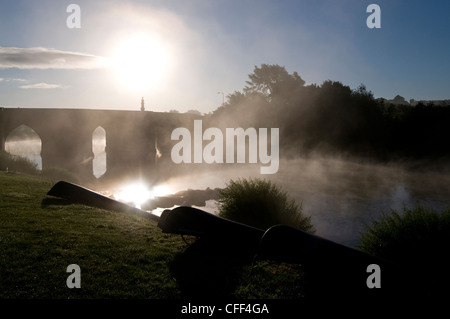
[(140, 63), (138, 193)]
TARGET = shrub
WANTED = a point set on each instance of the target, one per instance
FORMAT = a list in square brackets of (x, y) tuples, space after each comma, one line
[(16, 164), (260, 204), (418, 239)]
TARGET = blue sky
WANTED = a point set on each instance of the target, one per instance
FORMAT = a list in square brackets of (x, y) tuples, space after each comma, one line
[(204, 47)]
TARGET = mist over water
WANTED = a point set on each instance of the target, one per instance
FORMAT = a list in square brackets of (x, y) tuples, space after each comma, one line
[(341, 196)]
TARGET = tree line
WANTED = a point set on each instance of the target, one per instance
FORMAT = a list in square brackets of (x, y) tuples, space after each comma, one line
[(332, 118)]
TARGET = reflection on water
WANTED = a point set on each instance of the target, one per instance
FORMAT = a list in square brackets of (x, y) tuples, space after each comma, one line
[(340, 196), (211, 206)]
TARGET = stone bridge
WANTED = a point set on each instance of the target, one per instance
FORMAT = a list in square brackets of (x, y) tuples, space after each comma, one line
[(67, 137)]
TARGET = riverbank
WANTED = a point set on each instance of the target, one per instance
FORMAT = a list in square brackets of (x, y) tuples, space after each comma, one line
[(119, 255)]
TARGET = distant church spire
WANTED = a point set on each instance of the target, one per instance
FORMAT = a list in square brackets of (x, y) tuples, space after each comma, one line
[(142, 104)]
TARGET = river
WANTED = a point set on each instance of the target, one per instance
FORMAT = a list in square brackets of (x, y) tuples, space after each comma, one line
[(340, 196)]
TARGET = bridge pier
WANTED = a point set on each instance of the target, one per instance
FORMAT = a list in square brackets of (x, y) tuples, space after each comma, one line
[(71, 151), (130, 151), (2, 129)]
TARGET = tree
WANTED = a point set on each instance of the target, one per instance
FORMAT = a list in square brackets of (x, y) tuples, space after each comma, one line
[(273, 81), (398, 99), (235, 98), (194, 112), (362, 92)]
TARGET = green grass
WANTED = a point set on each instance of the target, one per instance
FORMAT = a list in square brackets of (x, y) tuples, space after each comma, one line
[(120, 255)]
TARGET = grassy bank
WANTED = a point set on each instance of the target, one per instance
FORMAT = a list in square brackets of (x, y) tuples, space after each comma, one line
[(120, 255)]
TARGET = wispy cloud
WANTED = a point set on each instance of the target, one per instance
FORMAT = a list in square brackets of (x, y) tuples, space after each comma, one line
[(44, 58), (12, 80), (41, 86)]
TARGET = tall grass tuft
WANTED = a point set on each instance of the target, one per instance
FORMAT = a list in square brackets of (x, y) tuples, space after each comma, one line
[(418, 239), (261, 204)]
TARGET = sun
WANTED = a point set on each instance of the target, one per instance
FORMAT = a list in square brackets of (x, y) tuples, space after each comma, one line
[(141, 62), (137, 193)]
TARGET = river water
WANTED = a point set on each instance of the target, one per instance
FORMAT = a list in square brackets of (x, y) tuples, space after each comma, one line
[(340, 196)]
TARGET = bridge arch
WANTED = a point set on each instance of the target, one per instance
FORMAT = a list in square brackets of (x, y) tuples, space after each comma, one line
[(99, 163), (25, 142)]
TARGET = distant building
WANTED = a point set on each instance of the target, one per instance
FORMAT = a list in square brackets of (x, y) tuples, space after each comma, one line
[(434, 102), (400, 100)]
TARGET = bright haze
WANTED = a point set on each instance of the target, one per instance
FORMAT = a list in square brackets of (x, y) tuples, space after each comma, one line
[(179, 54)]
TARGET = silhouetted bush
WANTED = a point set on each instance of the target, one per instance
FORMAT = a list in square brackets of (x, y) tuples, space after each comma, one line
[(418, 240), (13, 163), (261, 204)]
